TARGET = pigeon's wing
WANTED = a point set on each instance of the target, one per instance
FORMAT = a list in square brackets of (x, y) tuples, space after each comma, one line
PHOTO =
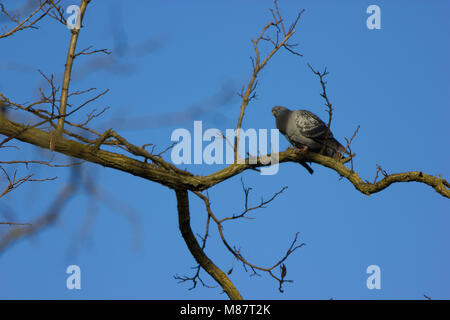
[(310, 125)]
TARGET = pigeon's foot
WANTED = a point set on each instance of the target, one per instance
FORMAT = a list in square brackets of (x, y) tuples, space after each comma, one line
[(302, 149)]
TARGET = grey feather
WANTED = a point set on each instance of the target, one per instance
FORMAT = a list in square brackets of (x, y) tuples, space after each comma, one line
[(303, 128)]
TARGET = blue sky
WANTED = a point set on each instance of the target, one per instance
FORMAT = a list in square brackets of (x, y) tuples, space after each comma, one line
[(174, 62)]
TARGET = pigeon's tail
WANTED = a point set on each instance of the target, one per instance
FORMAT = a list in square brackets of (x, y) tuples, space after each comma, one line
[(334, 148)]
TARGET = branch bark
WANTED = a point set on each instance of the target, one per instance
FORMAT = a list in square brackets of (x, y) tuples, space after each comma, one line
[(67, 73), (184, 222), (175, 180)]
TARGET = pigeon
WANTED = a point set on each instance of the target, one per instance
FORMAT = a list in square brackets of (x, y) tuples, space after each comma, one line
[(306, 131)]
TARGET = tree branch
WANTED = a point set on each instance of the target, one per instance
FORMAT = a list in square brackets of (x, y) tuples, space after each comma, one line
[(195, 249), (28, 22), (237, 252), (258, 65), (198, 183), (67, 73)]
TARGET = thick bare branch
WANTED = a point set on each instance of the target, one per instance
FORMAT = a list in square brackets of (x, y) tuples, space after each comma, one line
[(195, 249), (198, 183), (67, 73)]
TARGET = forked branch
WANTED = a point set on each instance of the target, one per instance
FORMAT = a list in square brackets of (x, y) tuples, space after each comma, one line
[(184, 223), (259, 62)]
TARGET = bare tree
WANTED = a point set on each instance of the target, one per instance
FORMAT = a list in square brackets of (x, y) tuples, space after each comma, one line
[(52, 128)]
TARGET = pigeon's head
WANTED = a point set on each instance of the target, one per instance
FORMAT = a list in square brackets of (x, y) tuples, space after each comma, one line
[(278, 111)]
